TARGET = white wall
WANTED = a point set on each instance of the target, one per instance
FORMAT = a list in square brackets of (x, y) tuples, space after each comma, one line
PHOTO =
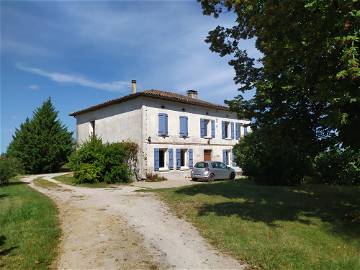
[(153, 107), (113, 123)]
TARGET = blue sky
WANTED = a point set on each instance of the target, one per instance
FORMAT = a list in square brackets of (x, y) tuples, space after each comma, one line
[(84, 53)]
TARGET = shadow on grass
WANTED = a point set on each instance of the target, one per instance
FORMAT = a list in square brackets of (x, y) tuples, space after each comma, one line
[(338, 206), (14, 183), (4, 252)]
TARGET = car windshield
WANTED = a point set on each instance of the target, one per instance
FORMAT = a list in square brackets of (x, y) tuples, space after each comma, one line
[(201, 165)]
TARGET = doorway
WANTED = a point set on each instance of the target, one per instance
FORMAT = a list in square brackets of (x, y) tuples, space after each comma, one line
[(207, 155)]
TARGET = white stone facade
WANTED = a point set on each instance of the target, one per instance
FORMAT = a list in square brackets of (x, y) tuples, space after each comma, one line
[(137, 120)]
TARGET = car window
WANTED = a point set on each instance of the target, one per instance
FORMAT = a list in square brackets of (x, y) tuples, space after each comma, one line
[(214, 165), (201, 165), (222, 165)]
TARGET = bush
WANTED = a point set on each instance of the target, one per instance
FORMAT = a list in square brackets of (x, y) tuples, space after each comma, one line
[(338, 166), (153, 177), (9, 167), (271, 160), (96, 162)]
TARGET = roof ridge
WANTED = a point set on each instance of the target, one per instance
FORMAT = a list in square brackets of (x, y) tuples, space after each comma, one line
[(154, 93)]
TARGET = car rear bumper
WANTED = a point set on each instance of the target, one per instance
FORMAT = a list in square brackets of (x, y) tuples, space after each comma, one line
[(204, 177)]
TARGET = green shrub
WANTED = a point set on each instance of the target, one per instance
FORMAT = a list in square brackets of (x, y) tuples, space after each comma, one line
[(338, 166), (96, 162), (9, 167), (118, 173)]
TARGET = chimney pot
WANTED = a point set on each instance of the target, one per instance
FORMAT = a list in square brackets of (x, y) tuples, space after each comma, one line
[(133, 86), (192, 93)]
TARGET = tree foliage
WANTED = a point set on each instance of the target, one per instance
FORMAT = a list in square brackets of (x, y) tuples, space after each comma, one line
[(307, 80), (42, 143)]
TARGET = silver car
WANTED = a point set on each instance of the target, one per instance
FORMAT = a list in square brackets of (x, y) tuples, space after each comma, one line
[(211, 170)]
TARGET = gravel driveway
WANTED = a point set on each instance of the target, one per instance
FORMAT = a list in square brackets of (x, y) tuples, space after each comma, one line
[(119, 228)]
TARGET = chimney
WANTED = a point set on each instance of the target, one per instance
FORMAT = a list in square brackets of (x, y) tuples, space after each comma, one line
[(133, 86), (192, 93)]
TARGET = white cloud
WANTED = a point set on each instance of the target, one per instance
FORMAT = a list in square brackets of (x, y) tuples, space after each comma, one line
[(115, 86), (34, 87)]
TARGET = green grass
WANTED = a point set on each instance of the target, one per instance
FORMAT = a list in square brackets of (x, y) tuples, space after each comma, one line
[(29, 228), (41, 182), (309, 227), (70, 180)]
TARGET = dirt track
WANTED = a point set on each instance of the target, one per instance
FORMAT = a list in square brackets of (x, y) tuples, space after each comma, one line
[(119, 228)]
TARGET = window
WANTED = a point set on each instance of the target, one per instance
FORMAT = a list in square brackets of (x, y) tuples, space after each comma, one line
[(161, 158), (92, 128), (201, 165), (237, 131), (245, 130), (163, 124), (182, 157), (226, 157), (228, 130), (183, 126), (207, 128)]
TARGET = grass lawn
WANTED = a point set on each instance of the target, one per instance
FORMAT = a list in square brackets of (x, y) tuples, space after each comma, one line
[(29, 228), (41, 182), (69, 180), (309, 227)]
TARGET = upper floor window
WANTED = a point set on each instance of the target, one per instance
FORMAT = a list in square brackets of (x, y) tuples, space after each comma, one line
[(184, 127), (163, 124), (246, 131), (228, 130), (207, 128), (92, 128), (237, 131)]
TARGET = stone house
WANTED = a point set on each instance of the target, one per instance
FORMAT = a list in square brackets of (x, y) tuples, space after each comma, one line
[(173, 131)]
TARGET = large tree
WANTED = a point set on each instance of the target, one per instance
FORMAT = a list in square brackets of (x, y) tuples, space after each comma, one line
[(42, 143), (307, 80)]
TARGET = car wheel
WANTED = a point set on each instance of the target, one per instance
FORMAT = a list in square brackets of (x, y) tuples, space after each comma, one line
[(211, 177), (232, 176)]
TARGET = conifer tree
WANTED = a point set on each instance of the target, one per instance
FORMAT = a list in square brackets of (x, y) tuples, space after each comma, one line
[(42, 143)]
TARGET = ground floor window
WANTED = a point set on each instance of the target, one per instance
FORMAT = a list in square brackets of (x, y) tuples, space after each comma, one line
[(162, 158), (226, 154), (182, 157)]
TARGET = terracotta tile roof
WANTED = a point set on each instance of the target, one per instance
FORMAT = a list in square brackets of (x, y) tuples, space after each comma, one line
[(157, 94)]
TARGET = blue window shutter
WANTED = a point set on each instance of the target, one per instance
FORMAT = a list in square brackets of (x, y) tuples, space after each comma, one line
[(156, 159), (237, 131), (190, 158), (202, 128), (182, 128), (178, 159), (232, 130), (171, 158), (212, 128), (186, 126), (161, 124), (166, 124), (223, 129), (224, 156)]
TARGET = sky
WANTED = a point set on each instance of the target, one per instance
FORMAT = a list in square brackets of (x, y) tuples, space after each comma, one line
[(84, 53)]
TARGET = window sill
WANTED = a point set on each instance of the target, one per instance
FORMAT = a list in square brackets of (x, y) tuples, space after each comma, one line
[(164, 169), (184, 137), (163, 135), (184, 168)]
